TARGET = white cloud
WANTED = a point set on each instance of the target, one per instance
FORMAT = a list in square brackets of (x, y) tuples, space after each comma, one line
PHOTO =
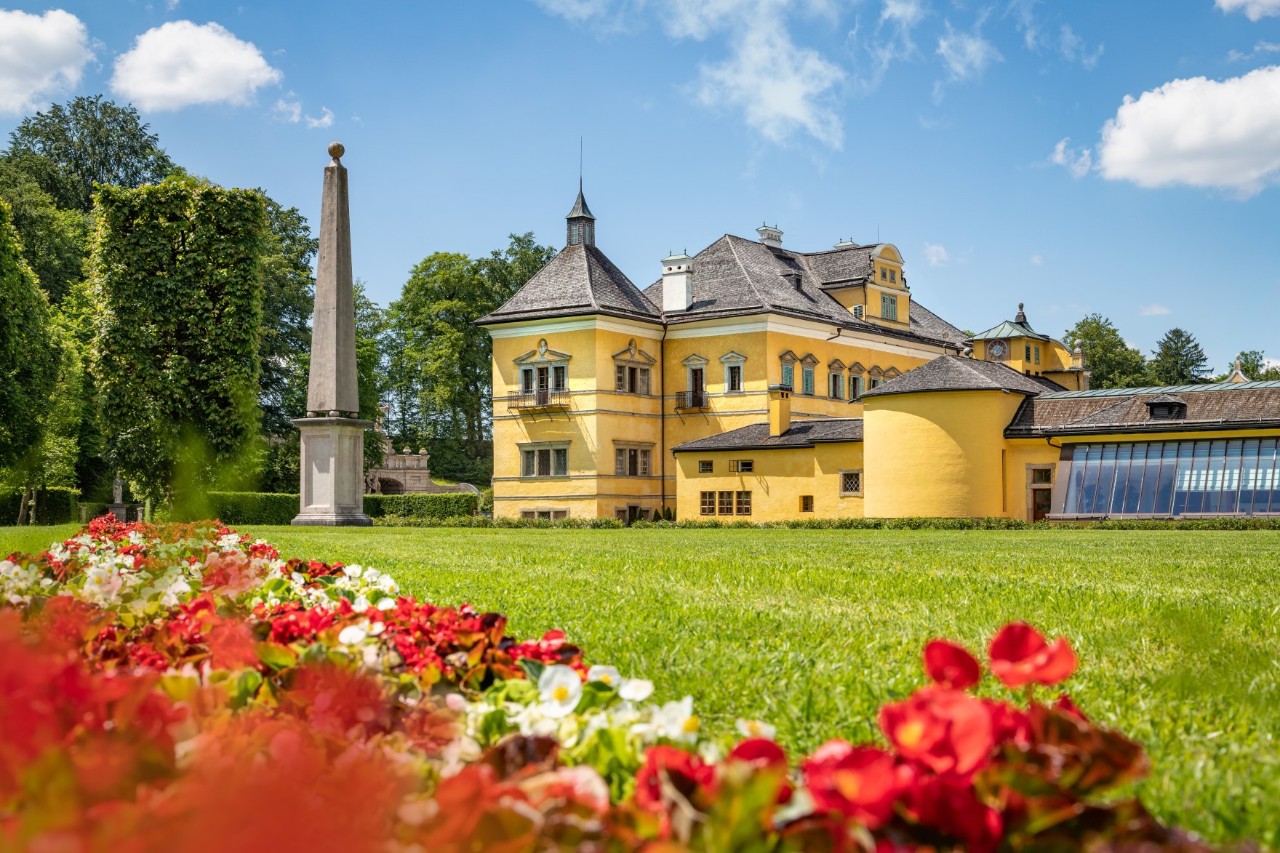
[(1154, 310), (1259, 48), (891, 41), (172, 4), (181, 63), (575, 10), (1037, 260), (325, 119), (1073, 49), (40, 55), (1200, 132), (936, 255), (1078, 161), (964, 55), (1023, 12), (290, 111), (1254, 10)]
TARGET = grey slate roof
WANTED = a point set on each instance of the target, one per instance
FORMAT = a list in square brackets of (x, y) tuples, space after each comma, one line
[(580, 209), (579, 280), (1113, 410), (756, 436), (735, 276), (953, 373)]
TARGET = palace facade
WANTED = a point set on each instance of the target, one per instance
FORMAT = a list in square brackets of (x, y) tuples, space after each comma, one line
[(755, 382)]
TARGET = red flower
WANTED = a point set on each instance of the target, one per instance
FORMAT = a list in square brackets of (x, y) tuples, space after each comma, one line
[(950, 665), (942, 804), (947, 731), (1008, 722), (763, 755), (856, 781), (1021, 655), (666, 768)]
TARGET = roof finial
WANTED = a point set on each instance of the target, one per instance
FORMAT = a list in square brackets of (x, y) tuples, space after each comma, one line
[(336, 150), (579, 165), (1022, 317)]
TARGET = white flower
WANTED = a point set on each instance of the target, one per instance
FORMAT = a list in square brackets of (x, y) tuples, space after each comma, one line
[(676, 721), (756, 728), (352, 634), (604, 674), (559, 688), (635, 690), (353, 571), (360, 605), (386, 604)]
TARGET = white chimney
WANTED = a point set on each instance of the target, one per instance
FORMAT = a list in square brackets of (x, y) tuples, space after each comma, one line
[(770, 236), (677, 282)]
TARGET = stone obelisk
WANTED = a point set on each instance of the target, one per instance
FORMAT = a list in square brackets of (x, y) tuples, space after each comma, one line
[(332, 432)]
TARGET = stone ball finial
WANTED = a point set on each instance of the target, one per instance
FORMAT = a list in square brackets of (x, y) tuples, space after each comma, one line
[(1019, 304), (336, 150)]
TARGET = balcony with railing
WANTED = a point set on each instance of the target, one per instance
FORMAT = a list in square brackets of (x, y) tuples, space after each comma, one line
[(543, 399), (691, 400)]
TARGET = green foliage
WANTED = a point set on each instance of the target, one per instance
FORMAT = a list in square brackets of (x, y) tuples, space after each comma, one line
[(177, 275), (53, 240), (287, 296), (439, 361), (253, 507), (1253, 364), (1177, 360), (54, 505), (86, 143), (1112, 362), (28, 356), (420, 507)]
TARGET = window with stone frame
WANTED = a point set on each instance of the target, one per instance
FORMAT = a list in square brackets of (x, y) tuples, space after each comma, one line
[(544, 461), (632, 460), (850, 482)]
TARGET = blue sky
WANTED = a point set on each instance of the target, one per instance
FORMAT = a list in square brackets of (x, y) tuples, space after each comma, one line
[(1119, 157)]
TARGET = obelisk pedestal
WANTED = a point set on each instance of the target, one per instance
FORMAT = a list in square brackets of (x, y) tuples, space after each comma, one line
[(332, 470)]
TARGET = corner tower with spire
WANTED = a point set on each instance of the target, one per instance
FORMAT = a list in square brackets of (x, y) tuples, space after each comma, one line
[(580, 225)]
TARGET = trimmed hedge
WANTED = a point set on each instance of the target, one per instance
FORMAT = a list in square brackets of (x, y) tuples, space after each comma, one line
[(279, 509), (433, 506), (253, 507), (54, 505)]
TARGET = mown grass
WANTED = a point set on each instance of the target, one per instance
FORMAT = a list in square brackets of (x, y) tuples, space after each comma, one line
[(1178, 632)]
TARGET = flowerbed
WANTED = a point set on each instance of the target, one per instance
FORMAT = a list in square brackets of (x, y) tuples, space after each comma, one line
[(185, 686)]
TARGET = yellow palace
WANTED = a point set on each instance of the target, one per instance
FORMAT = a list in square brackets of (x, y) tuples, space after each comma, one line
[(754, 382)]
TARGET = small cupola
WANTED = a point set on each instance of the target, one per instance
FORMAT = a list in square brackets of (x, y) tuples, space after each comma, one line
[(1021, 316), (677, 282), (1166, 407), (770, 235), (580, 224)]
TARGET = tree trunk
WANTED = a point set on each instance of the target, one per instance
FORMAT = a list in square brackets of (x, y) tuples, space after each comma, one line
[(22, 506)]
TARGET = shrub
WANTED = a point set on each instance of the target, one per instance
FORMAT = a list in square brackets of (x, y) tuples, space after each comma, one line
[(54, 505), (435, 506), (253, 507)]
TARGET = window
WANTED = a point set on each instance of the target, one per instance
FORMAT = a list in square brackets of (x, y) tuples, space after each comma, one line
[(544, 462), (707, 503), (806, 503), (1037, 353), (632, 461), (545, 514), (705, 466), (741, 466), (888, 306), (733, 377), (744, 503), (857, 312), (874, 383), (884, 274), (1041, 476), (788, 375), (1027, 353), (807, 379), (850, 483), (553, 377), (893, 275), (855, 387), (836, 386), (726, 503), (629, 379)]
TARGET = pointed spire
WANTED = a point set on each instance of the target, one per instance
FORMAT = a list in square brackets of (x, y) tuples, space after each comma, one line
[(580, 223)]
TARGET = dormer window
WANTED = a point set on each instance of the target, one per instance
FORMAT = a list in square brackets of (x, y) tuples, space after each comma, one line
[(893, 276), (857, 312), (1166, 408), (884, 274)]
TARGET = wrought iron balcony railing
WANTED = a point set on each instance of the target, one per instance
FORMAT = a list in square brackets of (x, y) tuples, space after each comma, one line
[(691, 399), (544, 398)]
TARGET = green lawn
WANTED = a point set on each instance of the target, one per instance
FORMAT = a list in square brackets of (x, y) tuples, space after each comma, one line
[(1178, 633)]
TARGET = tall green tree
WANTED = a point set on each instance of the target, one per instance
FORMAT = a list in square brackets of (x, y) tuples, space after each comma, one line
[(28, 355), (439, 364), (288, 294), (1178, 359), (53, 240), (88, 142), (177, 272), (1253, 364), (1112, 362)]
